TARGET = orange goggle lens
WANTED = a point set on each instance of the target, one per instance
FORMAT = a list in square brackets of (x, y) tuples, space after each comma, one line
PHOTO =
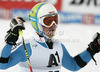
[(49, 19)]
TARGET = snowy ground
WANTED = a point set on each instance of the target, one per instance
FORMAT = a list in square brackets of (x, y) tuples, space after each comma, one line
[(75, 37)]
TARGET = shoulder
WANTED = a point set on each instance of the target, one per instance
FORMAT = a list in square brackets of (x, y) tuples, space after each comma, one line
[(58, 42), (19, 44), (61, 44), (19, 48)]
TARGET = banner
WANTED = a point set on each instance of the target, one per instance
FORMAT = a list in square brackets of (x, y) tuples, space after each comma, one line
[(13, 8), (80, 18), (67, 17), (88, 19), (82, 6), (20, 12), (27, 4), (5, 13), (0, 12), (97, 19)]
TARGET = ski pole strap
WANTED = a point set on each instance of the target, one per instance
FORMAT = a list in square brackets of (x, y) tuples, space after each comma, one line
[(92, 53)]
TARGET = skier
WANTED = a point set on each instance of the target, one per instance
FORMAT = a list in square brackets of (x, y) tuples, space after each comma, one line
[(46, 54)]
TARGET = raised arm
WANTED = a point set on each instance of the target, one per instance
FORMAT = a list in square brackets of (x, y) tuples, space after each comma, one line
[(82, 59), (75, 63), (8, 59)]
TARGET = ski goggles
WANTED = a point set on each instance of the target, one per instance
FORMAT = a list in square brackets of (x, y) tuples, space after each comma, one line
[(49, 20)]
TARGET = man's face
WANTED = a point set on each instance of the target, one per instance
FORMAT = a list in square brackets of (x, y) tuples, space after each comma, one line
[(49, 31)]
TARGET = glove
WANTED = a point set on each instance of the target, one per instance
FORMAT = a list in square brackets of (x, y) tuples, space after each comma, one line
[(13, 33), (94, 46)]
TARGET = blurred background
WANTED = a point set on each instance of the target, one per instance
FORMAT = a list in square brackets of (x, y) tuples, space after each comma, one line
[(79, 21)]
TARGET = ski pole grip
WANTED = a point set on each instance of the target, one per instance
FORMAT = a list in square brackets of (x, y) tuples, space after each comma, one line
[(21, 33)]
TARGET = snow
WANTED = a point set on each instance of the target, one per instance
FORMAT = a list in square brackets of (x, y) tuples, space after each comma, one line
[(75, 37)]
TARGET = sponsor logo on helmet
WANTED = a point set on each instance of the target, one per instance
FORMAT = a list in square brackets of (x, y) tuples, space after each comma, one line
[(52, 12)]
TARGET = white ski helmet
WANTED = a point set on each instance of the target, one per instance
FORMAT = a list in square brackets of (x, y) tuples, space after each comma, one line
[(37, 13)]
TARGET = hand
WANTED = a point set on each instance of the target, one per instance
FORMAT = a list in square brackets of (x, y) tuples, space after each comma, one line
[(95, 44), (13, 34), (17, 23)]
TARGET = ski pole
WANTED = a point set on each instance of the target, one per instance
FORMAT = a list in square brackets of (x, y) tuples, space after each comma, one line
[(28, 60)]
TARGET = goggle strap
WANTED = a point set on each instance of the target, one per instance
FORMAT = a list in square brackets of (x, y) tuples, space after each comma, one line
[(33, 19)]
